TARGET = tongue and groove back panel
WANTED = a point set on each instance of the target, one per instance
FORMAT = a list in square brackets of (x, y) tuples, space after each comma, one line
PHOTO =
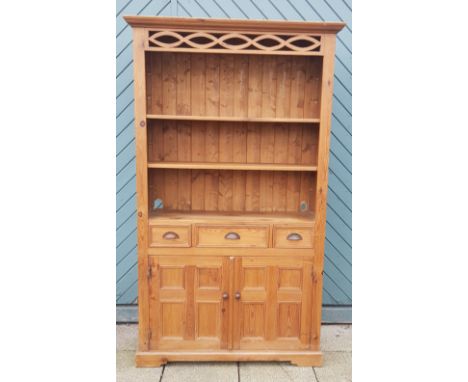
[(233, 85), (223, 85), (218, 190), (232, 142)]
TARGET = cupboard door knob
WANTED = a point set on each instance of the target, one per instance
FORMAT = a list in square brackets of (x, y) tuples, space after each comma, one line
[(169, 235), (237, 295), (232, 236), (294, 237), (225, 295)]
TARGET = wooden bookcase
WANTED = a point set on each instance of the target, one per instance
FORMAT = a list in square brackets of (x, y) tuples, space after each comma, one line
[(232, 137)]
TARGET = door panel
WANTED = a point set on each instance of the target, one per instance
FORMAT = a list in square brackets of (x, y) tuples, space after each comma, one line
[(187, 309), (273, 309)]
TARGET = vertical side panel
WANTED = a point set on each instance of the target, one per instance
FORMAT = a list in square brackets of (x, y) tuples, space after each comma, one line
[(154, 304), (306, 304), (328, 42), (141, 185)]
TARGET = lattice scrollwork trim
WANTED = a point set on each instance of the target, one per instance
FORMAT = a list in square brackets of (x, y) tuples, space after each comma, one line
[(168, 39)]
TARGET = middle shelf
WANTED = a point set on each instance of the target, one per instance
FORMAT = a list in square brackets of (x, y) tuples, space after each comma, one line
[(232, 166)]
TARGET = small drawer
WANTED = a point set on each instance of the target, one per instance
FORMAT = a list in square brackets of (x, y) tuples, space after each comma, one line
[(232, 236), (169, 236), (293, 237)]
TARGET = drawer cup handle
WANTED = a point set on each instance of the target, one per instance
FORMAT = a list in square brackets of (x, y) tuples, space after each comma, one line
[(232, 236), (169, 235), (294, 237)]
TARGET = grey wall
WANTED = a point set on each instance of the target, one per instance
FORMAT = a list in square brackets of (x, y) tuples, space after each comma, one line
[(337, 275)]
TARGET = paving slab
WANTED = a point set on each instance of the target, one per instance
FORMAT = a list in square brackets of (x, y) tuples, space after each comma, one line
[(201, 372), (127, 372), (336, 344), (336, 338), (274, 372), (127, 337), (336, 367)]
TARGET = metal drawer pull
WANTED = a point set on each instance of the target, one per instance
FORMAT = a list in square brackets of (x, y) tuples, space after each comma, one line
[(169, 235), (225, 295), (232, 236), (294, 237), (237, 296)]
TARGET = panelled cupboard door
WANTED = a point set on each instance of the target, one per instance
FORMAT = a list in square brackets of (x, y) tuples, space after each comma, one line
[(273, 303), (187, 308)]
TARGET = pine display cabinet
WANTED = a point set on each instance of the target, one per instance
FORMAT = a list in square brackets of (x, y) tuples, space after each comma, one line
[(232, 123)]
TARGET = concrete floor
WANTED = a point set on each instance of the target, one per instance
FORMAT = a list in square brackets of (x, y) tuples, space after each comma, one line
[(336, 345)]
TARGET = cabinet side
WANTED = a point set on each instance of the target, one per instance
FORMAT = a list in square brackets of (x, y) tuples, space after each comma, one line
[(328, 43), (141, 184)]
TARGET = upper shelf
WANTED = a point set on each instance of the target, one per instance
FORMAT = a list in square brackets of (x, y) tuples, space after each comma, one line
[(231, 166), (229, 119)]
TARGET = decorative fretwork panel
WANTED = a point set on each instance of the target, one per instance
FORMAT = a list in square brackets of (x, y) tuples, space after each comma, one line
[(235, 42)]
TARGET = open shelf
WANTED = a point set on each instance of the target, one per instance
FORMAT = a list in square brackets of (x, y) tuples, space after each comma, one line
[(231, 166), (230, 119), (231, 217)]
